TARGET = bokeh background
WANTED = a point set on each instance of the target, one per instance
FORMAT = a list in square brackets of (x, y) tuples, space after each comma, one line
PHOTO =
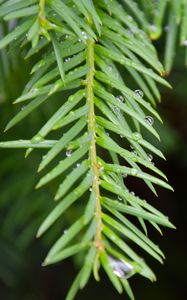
[(22, 208)]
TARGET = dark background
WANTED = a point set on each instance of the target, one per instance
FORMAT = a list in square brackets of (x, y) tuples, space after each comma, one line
[(22, 209)]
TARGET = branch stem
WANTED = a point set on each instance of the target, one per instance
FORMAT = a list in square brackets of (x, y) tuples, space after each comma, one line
[(42, 12), (93, 152)]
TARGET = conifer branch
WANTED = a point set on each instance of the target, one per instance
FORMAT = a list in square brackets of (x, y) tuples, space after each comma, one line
[(83, 49)]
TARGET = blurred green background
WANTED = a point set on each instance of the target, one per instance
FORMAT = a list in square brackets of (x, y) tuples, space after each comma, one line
[(22, 208)]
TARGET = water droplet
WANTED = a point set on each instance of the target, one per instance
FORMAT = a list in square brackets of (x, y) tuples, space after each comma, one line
[(166, 28), (134, 172), (84, 35), (130, 31), (34, 90), (124, 175), (152, 28), (23, 107), (36, 139), (113, 237), (185, 43), (109, 68), (121, 268), (137, 136), (155, 31), (149, 120), (138, 93), (135, 153), (129, 18), (150, 157), (120, 198), (67, 59), (120, 98), (133, 193), (65, 231), (116, 109), (69, 153), (78, 165)]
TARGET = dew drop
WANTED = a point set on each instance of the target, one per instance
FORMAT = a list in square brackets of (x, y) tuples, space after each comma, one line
[(138, 93), (133, 193), (137, 136), (113, 238), (131, 31), (185, 43), (152, 28), (134, 172), (129, 18), (134, 152), (149, 120), (120, 98), (78, 165), (36, 139), (116, 109), (120, 198), (67, 59), (124, 175), (109, 68), (166, 28), (69, 153), (84, 35), (121, 268), (150, 157)]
